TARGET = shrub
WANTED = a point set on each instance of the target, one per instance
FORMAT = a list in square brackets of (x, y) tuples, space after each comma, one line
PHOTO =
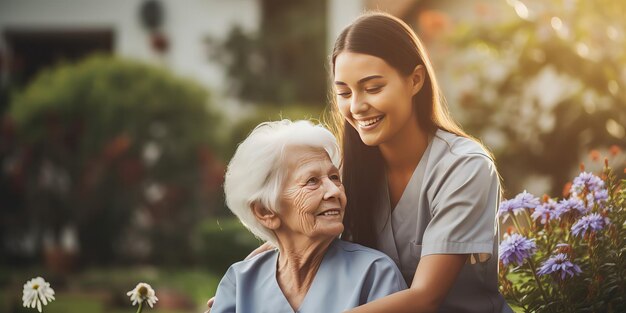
[(222, 242), (107, 142)]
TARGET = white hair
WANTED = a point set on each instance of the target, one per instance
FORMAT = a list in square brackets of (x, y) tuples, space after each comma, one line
[(256, 172)]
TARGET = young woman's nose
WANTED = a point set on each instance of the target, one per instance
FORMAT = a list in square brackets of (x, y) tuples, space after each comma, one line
[(357, 104)]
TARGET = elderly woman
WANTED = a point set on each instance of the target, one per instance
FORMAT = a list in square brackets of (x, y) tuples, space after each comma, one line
[(284, 186)]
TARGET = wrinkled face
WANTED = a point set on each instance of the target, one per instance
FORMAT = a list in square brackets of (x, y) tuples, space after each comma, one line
[(373, 96), (313, 199)]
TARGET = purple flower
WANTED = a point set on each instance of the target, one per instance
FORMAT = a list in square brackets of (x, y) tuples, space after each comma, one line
[(546, 211), (586, 182), (560, 265), (516, 248), (527, 200), (592, 223), (572, 205), (509, 206), (599, 197), (517, 205)]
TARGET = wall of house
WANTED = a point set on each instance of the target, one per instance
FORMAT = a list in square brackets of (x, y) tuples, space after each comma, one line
[(340, 14), (187, 24)]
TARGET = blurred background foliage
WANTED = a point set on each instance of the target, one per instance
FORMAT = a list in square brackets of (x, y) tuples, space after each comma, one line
[(114, 163), (548, 87), (284, 62), (106, 144), (112, 168)]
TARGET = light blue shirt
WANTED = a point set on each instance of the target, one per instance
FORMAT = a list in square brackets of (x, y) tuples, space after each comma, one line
[(349, 275)]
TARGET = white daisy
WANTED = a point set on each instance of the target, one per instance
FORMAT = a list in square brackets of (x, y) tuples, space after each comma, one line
[(142, 292), (36, 292)]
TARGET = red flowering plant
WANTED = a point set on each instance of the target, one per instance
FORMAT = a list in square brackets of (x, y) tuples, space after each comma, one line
[(567, 255)]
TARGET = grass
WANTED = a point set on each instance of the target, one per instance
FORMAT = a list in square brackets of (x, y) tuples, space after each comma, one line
[(67, 303), (73, 303), (104, 290)]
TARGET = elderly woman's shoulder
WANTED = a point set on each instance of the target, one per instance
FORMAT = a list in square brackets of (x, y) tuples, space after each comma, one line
[(362, 254), (266, 258)]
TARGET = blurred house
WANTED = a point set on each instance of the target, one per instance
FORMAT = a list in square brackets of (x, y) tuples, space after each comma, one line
[(176, 34), (35, 34)]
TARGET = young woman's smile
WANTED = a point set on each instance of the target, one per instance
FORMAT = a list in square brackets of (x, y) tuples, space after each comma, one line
[(369, 123)]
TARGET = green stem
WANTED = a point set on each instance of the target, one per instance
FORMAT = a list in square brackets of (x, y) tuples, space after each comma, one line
[(519, 229), (548, 238), (140, 307), (532, 268), (594, 268), (562, 295), (528, 220), (517, 299)]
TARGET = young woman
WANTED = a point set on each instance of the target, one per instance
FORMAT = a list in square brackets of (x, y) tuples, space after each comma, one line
[(418, 187)]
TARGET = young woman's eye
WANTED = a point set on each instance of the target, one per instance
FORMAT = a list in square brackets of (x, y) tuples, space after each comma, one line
[(312, 181), (375, 89), (345, 94)]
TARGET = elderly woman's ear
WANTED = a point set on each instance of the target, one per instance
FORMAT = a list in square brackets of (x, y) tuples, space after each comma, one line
[(267, 217)]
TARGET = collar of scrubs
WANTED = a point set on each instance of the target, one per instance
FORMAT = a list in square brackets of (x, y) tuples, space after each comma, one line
[(396, 228)]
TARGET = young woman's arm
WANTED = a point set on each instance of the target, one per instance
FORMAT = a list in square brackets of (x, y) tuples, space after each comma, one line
[(433, 278)]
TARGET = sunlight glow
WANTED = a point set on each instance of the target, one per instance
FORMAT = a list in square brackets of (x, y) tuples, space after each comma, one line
[(582, 49), (556, 23), (520, 8), (615, 129), (612, 33), (613, 87)]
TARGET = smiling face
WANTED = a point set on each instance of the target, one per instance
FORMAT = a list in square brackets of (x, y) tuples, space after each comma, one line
[(313, 199), (374, 97)]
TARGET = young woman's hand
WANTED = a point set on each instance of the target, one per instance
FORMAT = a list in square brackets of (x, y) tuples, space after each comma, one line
[(209, 304)]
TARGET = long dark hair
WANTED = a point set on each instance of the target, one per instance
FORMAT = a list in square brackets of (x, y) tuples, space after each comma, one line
[(386, 37)]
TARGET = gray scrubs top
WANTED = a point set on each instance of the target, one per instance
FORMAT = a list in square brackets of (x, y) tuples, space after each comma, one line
[(349, 275), (449, 207)]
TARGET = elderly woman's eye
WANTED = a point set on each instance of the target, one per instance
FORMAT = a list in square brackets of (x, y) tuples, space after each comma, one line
[(312, 181), (335, 177)]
